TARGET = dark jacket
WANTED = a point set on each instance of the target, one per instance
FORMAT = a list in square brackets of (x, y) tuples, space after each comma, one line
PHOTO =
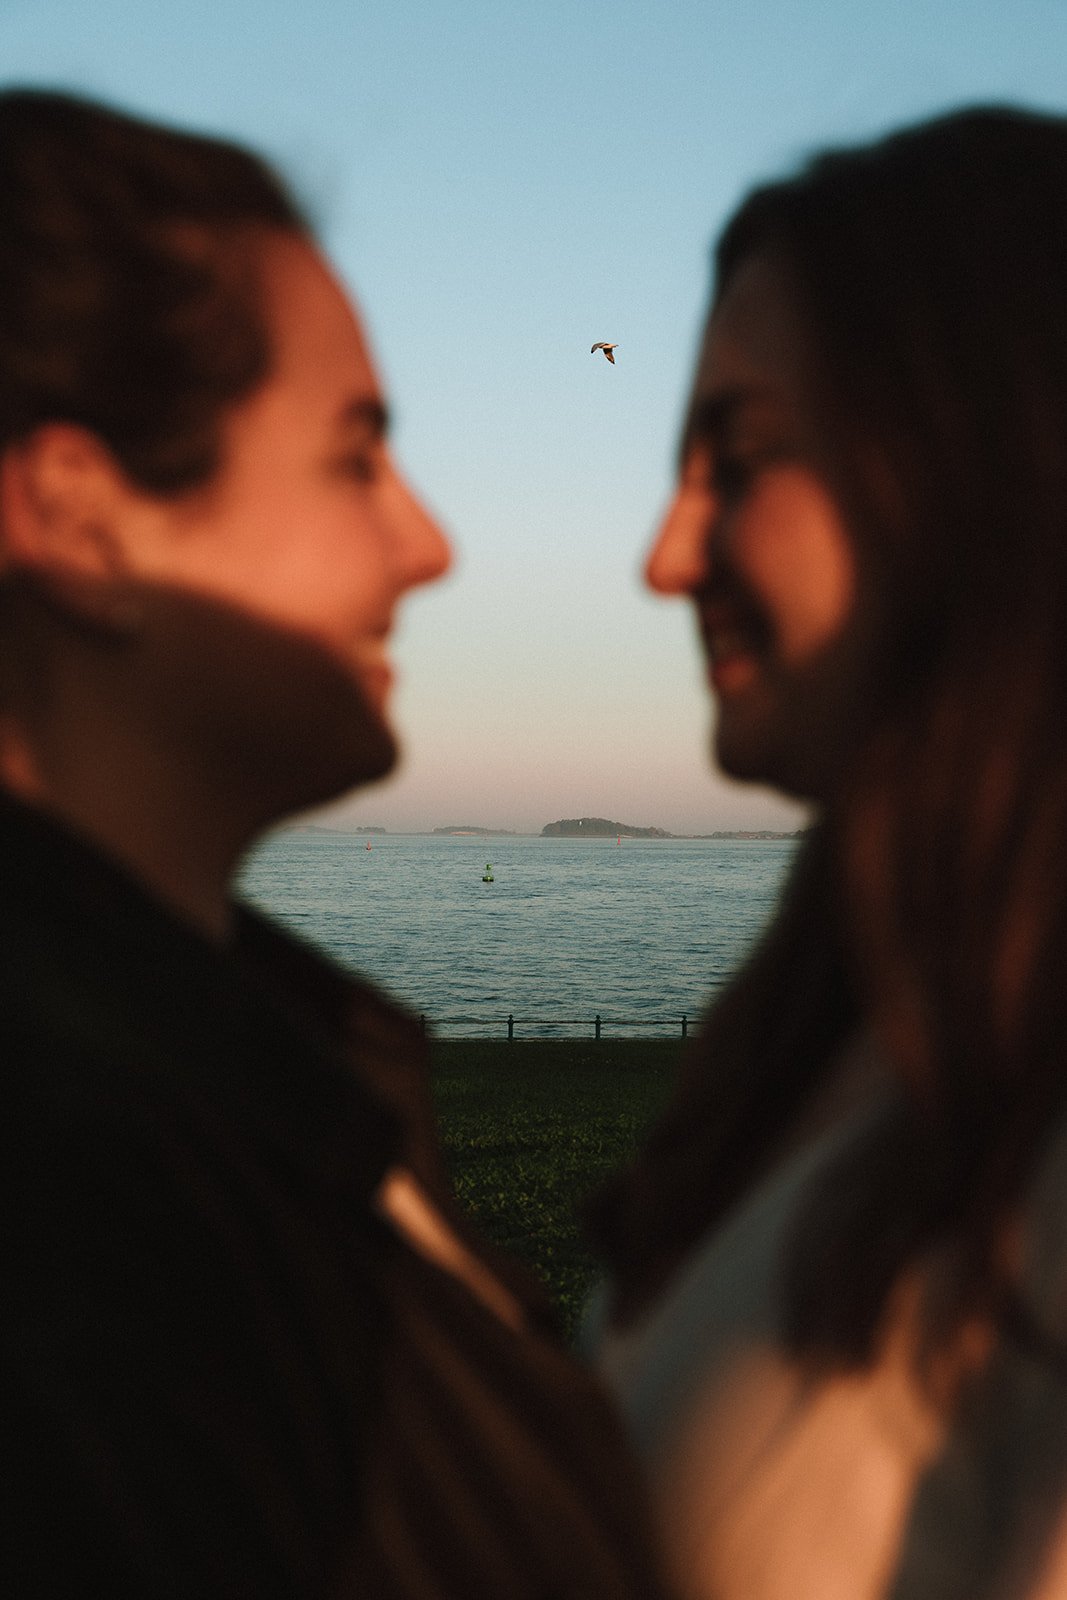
[(224, 1374)]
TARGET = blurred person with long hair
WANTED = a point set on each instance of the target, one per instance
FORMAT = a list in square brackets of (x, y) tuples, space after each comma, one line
[(837, 1310)]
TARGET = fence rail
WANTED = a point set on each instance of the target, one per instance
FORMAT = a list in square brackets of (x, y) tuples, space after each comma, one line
[(596, 1023)]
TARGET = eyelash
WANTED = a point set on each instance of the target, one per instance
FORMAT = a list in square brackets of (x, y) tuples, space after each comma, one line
[(734, 473)]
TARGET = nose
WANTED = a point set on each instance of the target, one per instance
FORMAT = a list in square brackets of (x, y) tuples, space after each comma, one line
[(679, 560), (422, 551)]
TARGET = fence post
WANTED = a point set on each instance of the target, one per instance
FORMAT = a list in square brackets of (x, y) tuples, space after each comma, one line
[(685, 1026), (511, 1026), (598, 1024)]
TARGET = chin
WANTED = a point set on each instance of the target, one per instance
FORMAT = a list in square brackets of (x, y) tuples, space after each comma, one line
[(319, 747), (752, 757), (739, 749), (377, 754), (364, 751)]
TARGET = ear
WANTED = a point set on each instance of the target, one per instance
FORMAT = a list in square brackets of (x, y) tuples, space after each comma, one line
[(63, 499)]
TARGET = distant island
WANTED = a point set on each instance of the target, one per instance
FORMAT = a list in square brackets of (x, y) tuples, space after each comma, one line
[(483, 833), (599, 828)]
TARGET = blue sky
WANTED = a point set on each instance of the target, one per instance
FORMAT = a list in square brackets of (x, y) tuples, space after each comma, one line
[(502, 184)]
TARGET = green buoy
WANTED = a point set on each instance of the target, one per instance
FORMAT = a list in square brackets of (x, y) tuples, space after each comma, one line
[(487, 875)]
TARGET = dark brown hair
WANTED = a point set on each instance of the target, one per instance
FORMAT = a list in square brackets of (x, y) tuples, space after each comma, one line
[(932, 268), (128, 297)]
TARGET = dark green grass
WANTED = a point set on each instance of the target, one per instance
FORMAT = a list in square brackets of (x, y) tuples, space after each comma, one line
[(532, 1126)]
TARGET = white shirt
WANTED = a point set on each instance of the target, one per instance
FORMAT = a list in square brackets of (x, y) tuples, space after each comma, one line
[(772, 1484)]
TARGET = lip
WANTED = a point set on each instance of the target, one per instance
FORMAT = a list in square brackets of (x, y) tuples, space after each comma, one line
[(734, 641), (377, 672), (375, 669), (732, 675)]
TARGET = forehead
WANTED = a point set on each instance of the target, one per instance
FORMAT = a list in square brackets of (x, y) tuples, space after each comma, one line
[(756, 351), (318, 344)]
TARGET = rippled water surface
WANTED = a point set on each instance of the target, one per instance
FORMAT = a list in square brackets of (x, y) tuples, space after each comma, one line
[(640, 931)]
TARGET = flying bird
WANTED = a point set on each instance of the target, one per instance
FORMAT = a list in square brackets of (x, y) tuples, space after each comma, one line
[(607, 349)]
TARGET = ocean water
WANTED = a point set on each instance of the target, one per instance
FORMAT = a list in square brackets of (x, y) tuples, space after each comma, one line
[(640, 932)]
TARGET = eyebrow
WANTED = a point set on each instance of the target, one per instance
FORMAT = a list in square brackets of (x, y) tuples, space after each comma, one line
[(711, 416), (369, 415)]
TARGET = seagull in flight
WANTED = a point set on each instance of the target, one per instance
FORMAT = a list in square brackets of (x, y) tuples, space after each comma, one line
[(607, 349)]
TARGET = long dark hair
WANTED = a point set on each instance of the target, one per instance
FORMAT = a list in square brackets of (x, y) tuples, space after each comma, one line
[(128, 288), (932, 269)]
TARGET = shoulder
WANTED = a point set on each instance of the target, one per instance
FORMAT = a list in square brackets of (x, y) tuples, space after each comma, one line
[(190, 1337), (725, 1299)]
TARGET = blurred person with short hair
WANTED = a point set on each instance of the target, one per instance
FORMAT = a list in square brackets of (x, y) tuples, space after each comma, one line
[(250, 1345)]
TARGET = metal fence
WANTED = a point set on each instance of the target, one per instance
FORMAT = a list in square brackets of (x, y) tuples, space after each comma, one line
[(598, 1024)]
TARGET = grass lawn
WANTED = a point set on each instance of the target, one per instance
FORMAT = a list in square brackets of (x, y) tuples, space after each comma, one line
[(531, 1126)]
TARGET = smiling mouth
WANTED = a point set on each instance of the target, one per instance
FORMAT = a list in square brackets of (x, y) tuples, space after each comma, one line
[(373, 663), (737, 642)]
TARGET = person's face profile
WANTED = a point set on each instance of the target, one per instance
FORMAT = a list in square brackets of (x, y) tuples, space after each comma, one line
[(755, 538), (308, 527)]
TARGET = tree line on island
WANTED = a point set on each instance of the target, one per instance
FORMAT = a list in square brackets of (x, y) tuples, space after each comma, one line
[(599, 828)]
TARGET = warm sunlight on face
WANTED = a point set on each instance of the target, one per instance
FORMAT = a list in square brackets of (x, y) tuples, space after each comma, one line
[(756, 539), (308, 524)]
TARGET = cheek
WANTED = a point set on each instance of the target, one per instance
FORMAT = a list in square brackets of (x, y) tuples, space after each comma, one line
[(305, 562), (328, 579), (799, 560)]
